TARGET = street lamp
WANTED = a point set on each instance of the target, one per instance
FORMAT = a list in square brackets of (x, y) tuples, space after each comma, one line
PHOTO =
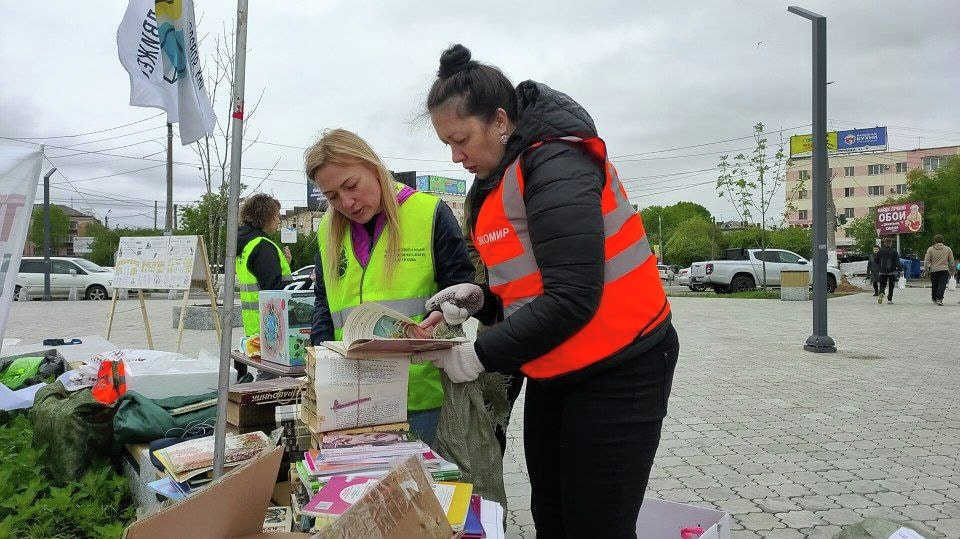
[(819, 341)]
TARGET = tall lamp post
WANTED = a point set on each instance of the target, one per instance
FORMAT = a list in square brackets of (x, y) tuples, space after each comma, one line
[(819, 341)]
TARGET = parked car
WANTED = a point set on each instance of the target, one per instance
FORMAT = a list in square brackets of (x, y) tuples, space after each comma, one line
[(743, 270), (683, 279), (66, 273), (306, 271), (666, 272)]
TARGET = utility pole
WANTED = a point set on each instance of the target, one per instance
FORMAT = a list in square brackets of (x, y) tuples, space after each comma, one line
[(663, 258), (155, 215), (106, 220), (46, 234), (819, 341), (168, 222), (176, 217)]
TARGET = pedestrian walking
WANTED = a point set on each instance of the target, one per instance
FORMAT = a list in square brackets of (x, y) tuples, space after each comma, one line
[(937, 264), (873, 271), (889, 269)]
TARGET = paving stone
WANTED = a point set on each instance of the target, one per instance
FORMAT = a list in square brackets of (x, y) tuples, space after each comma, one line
[(790, 490), (738, 506), (828, 489), (800, 519), (815, 502), (752, 492), (853, 501), (922, 513), (890, 499), (776, 505), (783, 533), (839, 517), (716, 494), (927, 497), (950, 527), (699, 481), (760, 521)]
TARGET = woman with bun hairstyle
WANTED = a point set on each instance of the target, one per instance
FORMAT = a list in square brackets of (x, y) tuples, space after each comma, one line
[(381, 241), (575, 286)]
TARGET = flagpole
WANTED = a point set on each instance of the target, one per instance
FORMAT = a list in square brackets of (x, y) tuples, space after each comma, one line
[(229, 270), (168, 221)]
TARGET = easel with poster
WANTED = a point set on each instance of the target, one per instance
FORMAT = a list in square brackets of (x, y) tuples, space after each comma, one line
[(162, 263)]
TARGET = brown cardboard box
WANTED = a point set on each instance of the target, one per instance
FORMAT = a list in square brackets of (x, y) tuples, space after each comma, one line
[(233, 506)]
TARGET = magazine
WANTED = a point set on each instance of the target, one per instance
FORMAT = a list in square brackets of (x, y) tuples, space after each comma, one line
[(196, 455), (371, 328)]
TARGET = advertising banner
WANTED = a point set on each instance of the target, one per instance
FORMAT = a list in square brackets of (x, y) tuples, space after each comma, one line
[(905, 218), (802, 145), (314, 196), (441, 185), (862, 140)]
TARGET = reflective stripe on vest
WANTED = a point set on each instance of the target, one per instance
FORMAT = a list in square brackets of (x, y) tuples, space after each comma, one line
[(633, 302), (250, 289), (406, 291)]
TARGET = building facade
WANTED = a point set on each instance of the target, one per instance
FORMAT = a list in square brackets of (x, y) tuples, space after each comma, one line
[(860, 182), (303, 219), (79, 222)]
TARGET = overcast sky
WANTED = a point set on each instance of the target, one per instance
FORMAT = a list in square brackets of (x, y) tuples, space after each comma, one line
[(655, 77)]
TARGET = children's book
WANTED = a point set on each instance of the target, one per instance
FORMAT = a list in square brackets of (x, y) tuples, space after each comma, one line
[(337, 495)]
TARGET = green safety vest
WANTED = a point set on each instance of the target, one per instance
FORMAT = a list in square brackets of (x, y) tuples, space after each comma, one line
[(250, 289), (412, 284)]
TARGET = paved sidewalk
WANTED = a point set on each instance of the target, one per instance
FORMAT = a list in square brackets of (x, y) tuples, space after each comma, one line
[(792, 444)]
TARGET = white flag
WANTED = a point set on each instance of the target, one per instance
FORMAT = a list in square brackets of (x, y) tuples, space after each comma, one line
[(158, 47), (19, 173)]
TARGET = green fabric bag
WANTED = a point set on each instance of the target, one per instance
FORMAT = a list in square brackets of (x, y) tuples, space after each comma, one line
[(142, 420), (75, 428), (20, 370)]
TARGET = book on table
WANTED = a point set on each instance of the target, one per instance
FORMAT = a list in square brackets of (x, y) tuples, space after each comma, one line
[(263, 391), (190, 458), (373, 330)]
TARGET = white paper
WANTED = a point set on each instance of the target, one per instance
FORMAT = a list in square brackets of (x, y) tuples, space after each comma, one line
[(358, 392), (444, 495), (491, 518), (905, 533), (288, 235)]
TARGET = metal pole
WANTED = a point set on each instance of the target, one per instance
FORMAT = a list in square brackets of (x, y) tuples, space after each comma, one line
[(46, 234), (229, 270), (154, 214), (819, 341), (168, 221)]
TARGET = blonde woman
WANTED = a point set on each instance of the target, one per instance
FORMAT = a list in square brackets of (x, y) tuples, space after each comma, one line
[(385, 242)]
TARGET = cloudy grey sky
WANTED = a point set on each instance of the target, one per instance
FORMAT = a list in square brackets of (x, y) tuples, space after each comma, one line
[(665, 84)]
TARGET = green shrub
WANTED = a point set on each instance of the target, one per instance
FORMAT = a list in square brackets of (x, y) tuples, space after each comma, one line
[(98, 505)]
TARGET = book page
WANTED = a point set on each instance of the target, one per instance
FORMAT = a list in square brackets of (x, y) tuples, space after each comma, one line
[(371, 321)]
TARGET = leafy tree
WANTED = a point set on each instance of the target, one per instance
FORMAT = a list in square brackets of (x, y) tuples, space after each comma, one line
[(59, 227), (751, 184), (304, 252), (940, 193), (694, 240), (670, 217), (793, 238)]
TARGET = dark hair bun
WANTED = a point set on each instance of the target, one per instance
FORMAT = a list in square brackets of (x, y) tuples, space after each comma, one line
[(454, 60)]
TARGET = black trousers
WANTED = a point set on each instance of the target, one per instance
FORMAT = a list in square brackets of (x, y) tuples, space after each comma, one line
[(938, 284), (888, 282), (876, 288), (590, 445)]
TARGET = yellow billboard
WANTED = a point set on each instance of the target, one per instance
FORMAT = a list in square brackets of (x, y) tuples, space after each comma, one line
[(802, 145)]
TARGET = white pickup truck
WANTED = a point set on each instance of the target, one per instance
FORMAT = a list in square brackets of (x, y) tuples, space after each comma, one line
[(742, 270)]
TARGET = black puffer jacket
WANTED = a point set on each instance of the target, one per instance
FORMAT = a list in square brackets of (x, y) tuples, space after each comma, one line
[(562, 189)]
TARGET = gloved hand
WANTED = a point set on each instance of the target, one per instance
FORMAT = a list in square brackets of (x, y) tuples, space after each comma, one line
[(457, 302), (460, 362)]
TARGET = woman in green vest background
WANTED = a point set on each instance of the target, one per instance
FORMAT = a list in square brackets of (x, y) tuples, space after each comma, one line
[(261, 263), (383, 242)]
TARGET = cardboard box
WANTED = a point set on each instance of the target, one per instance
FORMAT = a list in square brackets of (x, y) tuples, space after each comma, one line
[(285, 317), (250, 415), (353, 393), (662, 519), (233, 506)]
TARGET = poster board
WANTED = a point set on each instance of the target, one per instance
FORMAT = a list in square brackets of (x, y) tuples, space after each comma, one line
[(158, 262)]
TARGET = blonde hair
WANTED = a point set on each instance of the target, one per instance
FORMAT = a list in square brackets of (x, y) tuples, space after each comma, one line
[(345, 148)]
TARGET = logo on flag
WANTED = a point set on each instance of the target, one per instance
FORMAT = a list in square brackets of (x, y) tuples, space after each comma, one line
[(157, 45)]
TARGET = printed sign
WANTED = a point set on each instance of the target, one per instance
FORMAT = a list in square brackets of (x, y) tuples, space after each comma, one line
[(802, 145), (862, 140), (905, 218), (82, 245), (158, 262), (441, 185)]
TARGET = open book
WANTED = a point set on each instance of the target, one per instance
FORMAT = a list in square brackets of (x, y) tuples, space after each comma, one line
[(374, 330)]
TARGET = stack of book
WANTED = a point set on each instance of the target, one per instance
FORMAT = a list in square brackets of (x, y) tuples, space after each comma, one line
[(189, 464), (253, 406), (336, 476)]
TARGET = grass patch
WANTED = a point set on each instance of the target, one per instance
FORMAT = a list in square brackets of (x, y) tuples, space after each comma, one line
[(98, 505)]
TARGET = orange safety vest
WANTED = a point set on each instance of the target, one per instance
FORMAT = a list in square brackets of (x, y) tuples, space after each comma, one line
[(634, 302)]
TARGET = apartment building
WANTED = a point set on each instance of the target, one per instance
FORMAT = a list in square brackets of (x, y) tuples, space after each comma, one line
[(78, 226), (860, 182)]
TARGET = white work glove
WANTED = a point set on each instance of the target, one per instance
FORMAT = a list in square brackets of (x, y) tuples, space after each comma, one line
[(457, 302), (460, 362)]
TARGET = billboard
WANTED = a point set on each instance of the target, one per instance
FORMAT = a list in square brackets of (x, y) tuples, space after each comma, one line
[(314, 197), (441, 185), (802, 145), (851, 140), (82, 244), (905, 218), (862, 140)]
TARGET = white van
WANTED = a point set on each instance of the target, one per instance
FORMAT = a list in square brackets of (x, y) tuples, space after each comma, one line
[(90, 280)]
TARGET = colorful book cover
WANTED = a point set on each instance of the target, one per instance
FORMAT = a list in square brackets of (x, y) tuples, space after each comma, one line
[(338, 495), (455, 501), (345, 442), (197, 454), (472, 528), (278, 519)]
